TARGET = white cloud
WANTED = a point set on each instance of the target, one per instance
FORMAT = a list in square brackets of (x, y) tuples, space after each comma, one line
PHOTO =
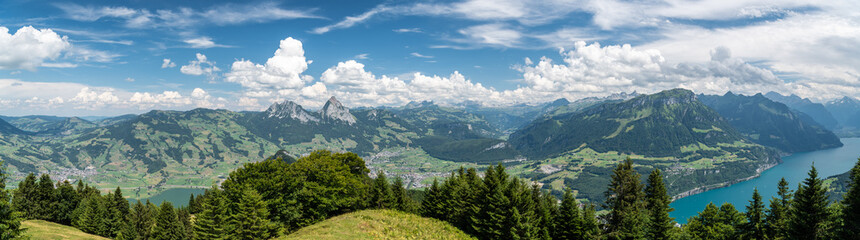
[(59, 65), (202, 42), (166, 63), (89, 14), (129, 79), (494, 34), (407, 30), (415, 54), (361, 56), (281, 71), (29, 47), (350, 21), (261, 12), (166, 99), (94, 98), (199, 67)]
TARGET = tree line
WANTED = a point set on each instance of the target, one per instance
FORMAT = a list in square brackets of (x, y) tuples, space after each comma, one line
[(273, 197)]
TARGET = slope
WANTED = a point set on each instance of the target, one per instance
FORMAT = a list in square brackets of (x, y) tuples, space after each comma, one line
[(379, 224), (771, 123), (815, 110), (39, 229)]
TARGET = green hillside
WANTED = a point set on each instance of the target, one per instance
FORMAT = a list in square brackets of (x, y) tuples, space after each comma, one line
[(39, 229), (670, 130), (771, 123), (379, 224)]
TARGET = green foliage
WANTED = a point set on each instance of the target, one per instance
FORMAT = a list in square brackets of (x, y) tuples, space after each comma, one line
[(779, 212), (715, 223), (754, 228), (379, 224), (91, 215), (211, 220), (67, 200), (851, 200), (809, 209), (381, 195), (626, 204), (24, 199), (657, 200), (568, 223), (249, 218), (167, 225), (402, 201), (10, 223), (140, 222)]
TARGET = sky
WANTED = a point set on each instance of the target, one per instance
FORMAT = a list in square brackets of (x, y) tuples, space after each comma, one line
[(105, 58)]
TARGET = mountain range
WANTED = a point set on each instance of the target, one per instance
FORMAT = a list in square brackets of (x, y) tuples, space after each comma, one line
[(555, 143)]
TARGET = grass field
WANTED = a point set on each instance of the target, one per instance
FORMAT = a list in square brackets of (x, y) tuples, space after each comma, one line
[(379, 224), (38, 229)]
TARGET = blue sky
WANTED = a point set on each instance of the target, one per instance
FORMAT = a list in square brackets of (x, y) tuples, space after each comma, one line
[(115, 57)]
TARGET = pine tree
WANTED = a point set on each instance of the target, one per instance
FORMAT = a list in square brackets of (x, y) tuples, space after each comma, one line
[(44, 197), (809, 209), (381, 196), (167, 226), (779, 212), (91, 215), (754, 228), (590, 226), (430, 207), (714, 223), (140, 222), (568, 223), (211, 220), (67, 200), (24, 200), (625, 202), (117, 210), (545, 210), (10, 223), (660, 224), (851, 202), (402, 201), (185, 220), (494, 207), (249, 220)]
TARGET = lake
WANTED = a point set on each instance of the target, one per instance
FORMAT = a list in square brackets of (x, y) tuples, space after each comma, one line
[(177, 196), (794, 168)]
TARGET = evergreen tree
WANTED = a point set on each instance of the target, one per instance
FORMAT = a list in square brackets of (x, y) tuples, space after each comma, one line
[(117, 210), (809, 209), (430, 207), (779, 212), (657, 204), (546, 210), (714, 223), (494, 207), (625, 202), (851, 202), (380, 195), (590, 226), (91, 215), (568, 223), (249, 220), (185, 220), (402, 201), (524, 226), (67, 200), (24, 200), (167, 226), (754, 228), (140, 222), (211, 220), (10, 223), (44, 197)]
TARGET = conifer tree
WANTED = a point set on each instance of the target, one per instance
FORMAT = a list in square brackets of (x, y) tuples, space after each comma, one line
[(431, 204), (44, 197), (590, 226), (494, 206), (249, 220), (211, 220), (402, 201), (778, 212), (545, 210), (185, 220), (851, 202), (714, 223), (10, 223), (67, 200), (167, 226), (24, 200), (117, 210), (568, 223), (754, 228), (525, 227), (660, 224), (809, 209), (625, 202), (91, 215), (381, 196), (140, 222)]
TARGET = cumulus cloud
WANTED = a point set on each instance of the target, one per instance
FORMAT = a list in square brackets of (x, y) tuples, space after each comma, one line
[(202, 42), (283, 71), (166, 63), (94, 98), (28, 48), (199, 67)]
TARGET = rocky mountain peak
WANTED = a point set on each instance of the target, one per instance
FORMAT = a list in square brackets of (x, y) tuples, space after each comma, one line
[(290, 109), (335, 110)]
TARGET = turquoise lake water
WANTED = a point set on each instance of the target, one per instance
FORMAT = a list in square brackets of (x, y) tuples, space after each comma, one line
[(794, 168), (177, 196)]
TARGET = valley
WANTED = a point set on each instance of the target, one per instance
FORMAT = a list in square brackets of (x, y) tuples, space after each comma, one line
[(556, 144)]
